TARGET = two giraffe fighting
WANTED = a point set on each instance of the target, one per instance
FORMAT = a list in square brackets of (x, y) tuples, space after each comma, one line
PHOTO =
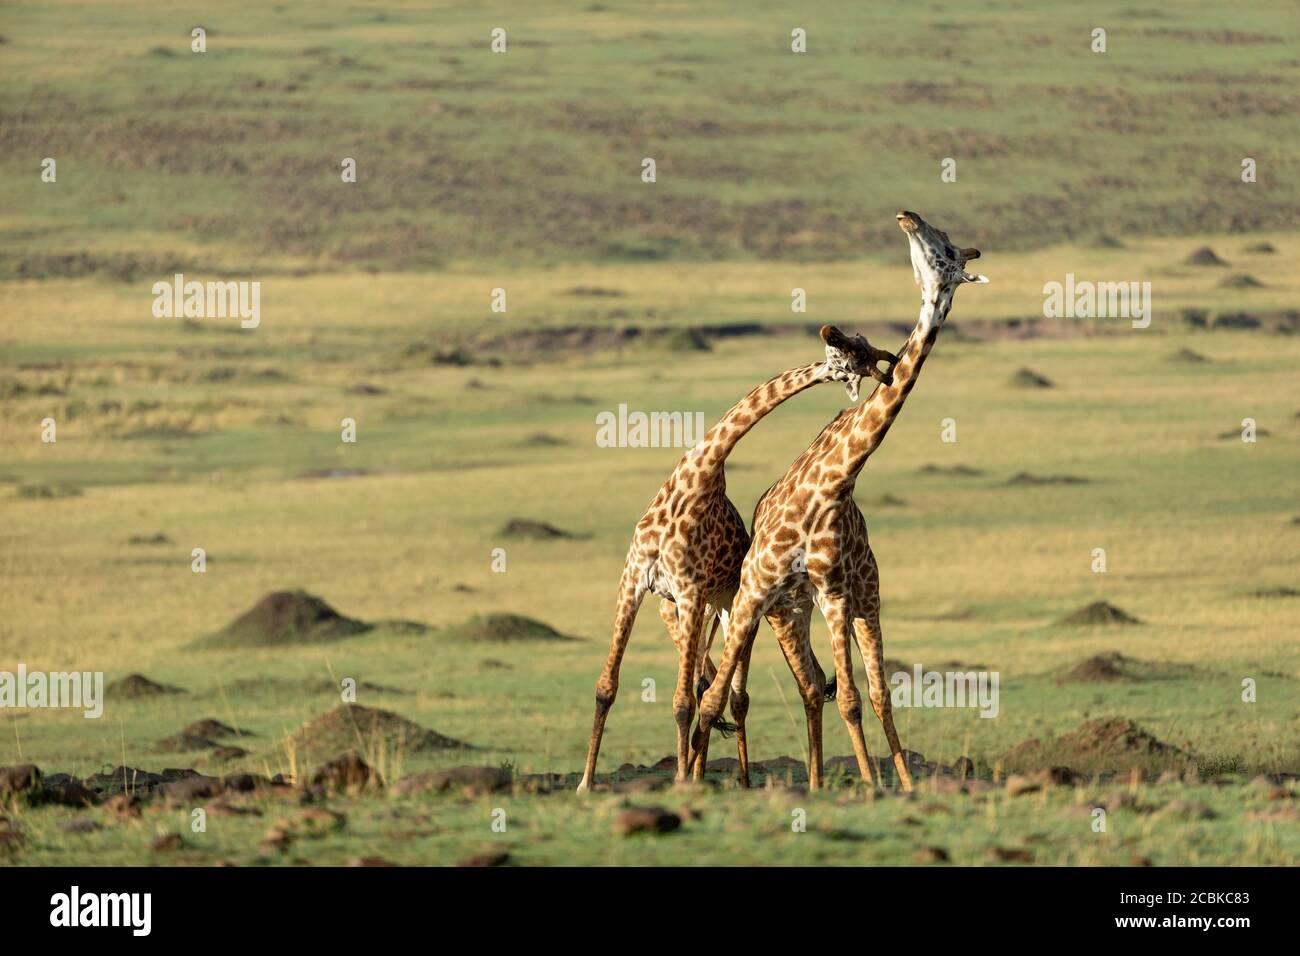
[(689, 545), (809, 545)]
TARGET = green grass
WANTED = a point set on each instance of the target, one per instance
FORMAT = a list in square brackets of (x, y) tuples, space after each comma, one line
[(229, 160)]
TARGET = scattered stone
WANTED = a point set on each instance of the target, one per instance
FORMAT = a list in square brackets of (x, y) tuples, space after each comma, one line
[(470, 781), (1098, 612), (315, 822), (1187, 810), (1004, 854), (66, 791), (646, 820), (348, 772), (167, 843), (19, 781), (276, 840)]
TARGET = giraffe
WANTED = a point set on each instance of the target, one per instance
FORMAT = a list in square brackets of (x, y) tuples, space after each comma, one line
[(810, 539), (688, 546)]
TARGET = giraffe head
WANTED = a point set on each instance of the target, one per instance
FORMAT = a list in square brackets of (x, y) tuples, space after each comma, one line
[(848, 359), (937, 265)]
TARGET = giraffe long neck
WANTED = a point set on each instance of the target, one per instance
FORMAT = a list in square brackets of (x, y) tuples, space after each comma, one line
[(862, 430), (719, 441)]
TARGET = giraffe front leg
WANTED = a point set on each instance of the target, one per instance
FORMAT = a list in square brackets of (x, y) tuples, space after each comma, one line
[(835, 611), (630, 594), (741, 627), (871, 644)]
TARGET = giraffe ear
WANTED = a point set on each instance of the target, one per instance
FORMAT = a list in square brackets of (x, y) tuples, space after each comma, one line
[(971, 253)]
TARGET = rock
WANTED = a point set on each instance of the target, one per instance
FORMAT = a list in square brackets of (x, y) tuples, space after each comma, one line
[(348, 772), (1019, 783), (316, 822), (646, 820), (491, 858), (67, 792), (167, 843), (1004, 854), (932, 854), (19, 780), (191, 790), (470, 781), (229, 753), (1187, 810), (370, 861), (276, 840)]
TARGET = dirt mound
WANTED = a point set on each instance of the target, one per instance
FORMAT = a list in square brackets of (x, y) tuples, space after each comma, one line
[(961, 471), (1028, 478), (214, 729), (1189, 357), (1105, 745), (1240, 281), (149, 539), (1099, 669), (504, 628), (530, 530), (285, 618), (888, 501), (1028, 378), (1204, 256), (1262, 248), (184, 743), (137, 685), (542, 440), (1276, 593), (368, 731), (1098, 612)]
